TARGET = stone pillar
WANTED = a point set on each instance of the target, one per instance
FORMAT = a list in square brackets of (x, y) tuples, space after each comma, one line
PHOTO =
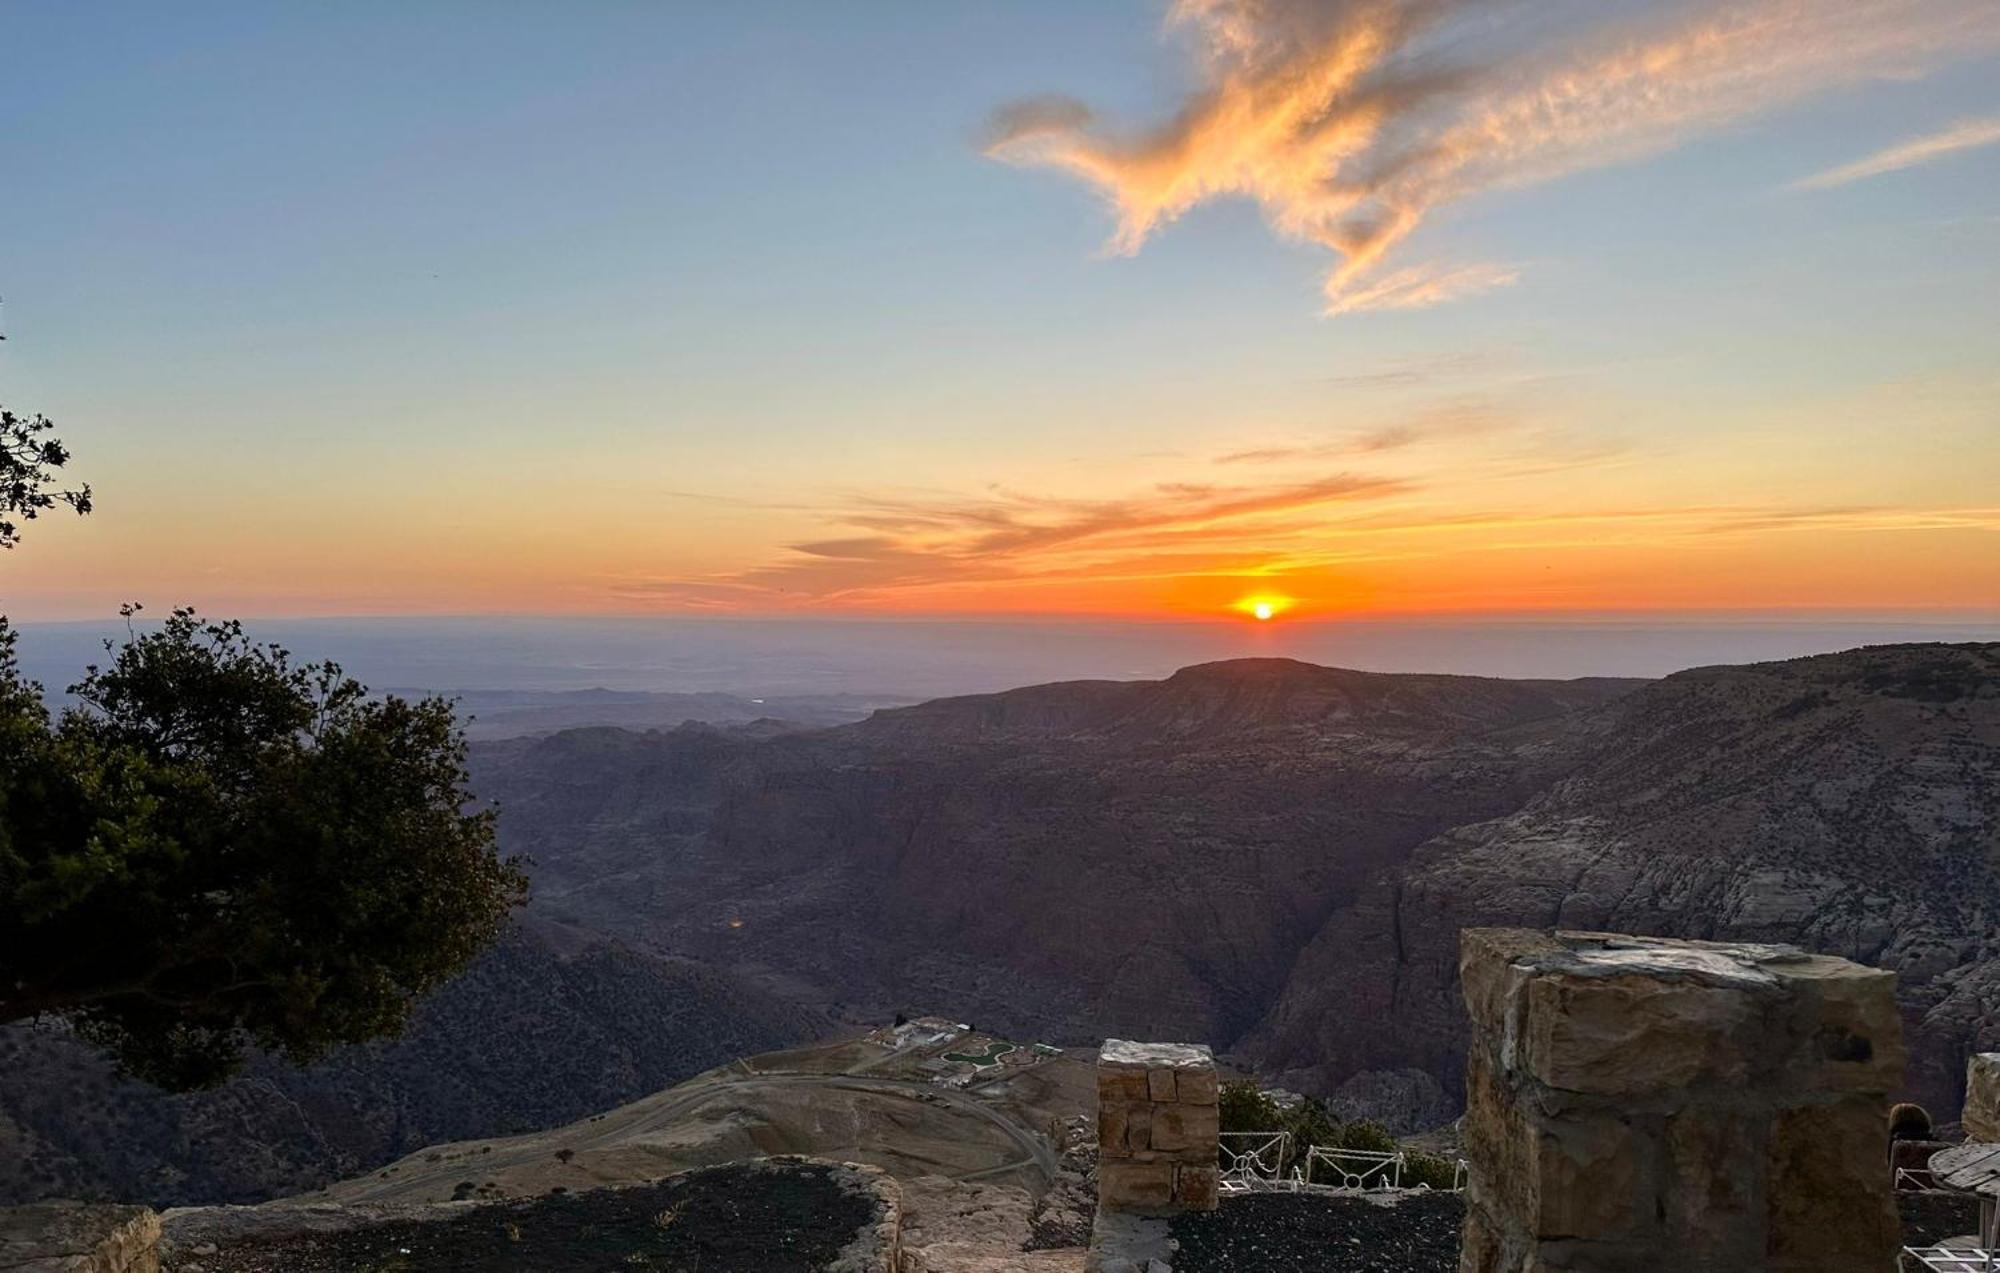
[(1156, 1127), (1655, 1106), (1981, 1118)]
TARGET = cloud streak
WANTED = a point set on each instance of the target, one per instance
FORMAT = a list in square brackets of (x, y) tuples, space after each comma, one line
[(1966, 134), (1349, 122), (908, 544)]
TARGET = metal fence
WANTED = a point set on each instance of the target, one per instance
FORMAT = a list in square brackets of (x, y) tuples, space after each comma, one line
[(1362, 1169), (1253, 1160), (1940, 1259)]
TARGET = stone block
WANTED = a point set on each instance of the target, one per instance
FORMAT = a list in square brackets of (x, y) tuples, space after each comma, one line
[(1982, 1097), (1136, 1186), (1186, 1127), (1196, 1087), (1830, 1199), (1122, 1085), (1139, 1127), (1587, 1174), (1111, 1119), (1668, 1106), (1197, 1188), (1124, 1054), (1160, 1085), (1635, 1033)]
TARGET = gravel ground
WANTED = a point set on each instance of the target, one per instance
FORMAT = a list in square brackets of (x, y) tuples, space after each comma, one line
[(728, 1220), (1303, 1233), (1312, 1233)]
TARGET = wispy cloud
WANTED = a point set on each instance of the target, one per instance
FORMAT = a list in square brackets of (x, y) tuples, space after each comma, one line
[(1966, 134), (1420, 287), (1415, 372), (1350, 121), (976, 546), (1445, 421), (931, 541)]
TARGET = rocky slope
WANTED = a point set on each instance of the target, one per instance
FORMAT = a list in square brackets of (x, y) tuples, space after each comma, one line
[(1073, 860), (1849, 803), (545, 1028), (1276, 857)]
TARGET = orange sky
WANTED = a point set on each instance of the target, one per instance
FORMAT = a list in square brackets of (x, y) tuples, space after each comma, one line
[(1687, 305)]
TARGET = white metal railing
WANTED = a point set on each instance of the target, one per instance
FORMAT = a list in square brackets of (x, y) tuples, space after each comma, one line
[(1253, 1160), (1941, 1259), (1352, 1168)]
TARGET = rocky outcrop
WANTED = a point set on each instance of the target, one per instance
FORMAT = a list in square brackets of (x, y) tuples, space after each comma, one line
[(1847, 803), (64, 1237), (1664, 1106), (1981, 1118)]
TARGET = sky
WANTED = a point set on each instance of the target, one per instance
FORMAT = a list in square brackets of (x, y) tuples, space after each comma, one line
[(1123, 310)]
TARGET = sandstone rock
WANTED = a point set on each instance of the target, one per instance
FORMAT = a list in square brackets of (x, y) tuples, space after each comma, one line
[(1660, 1105), (1197, 1188), (1981, 1118), (1135, 1186), (1185, 1127), (1196, 1087)]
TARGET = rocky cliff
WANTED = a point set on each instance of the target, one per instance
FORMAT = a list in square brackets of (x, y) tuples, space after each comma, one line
[(1848, 803), (1070, 860), (1277, 858)]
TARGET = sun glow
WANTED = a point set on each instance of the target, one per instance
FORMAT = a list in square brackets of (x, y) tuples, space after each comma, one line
[(1263, 607)]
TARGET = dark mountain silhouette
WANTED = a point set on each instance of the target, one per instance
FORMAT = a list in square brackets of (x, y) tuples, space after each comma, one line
[(1276, 857), (1266, 855)]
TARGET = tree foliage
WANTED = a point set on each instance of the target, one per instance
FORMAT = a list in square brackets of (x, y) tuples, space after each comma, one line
[(30, 456), (217, 848)]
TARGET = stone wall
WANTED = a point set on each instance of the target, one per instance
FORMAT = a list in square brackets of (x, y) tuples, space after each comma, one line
[(1981, 1118), (71, 1237), (1156, 1127), (1643, 1104)]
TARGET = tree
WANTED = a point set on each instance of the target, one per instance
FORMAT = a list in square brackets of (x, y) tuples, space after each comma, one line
[(217, 849), (29, 458)]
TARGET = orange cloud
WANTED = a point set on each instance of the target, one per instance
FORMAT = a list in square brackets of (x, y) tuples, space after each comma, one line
[(920, 545), (1349, 123)]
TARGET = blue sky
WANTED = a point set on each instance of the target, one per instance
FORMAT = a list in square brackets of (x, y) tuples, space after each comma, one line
[(452, 307)]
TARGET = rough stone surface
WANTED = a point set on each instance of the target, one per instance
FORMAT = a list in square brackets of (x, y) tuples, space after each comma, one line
[(1157, 1120), (63, 1237), (1981, 1118), (1638, 1103)]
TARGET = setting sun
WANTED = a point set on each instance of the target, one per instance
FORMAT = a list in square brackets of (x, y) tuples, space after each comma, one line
[(1263, 608)]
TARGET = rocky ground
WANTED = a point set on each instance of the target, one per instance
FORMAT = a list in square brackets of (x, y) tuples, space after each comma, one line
[(1314, 1233), (740, 1219)]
